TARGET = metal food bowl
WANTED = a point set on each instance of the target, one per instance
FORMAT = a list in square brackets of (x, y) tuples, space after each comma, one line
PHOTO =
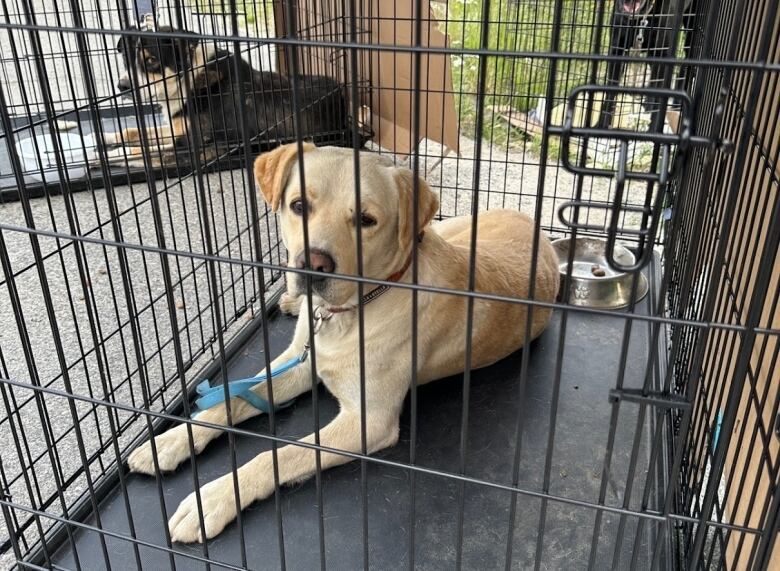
[(593, 282)]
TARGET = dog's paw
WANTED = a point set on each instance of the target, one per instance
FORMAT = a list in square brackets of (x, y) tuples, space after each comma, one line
[(117, 154), (112, 138), (172, 449), (290, 305), (96, 155), (219, 509), (108, 154)]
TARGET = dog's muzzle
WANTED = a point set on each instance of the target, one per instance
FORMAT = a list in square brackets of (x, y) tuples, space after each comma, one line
[(124, 84), (321, 262)]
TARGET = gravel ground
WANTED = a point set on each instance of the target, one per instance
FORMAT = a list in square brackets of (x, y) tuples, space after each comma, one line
[(104, 294)]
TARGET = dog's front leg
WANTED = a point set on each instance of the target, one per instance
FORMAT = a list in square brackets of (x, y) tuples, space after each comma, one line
[(127, 136), (159, 140), (173, 446), (131, 153), (296, 463), (157, 135)]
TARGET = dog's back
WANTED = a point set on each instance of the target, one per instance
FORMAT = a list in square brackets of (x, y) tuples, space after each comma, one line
[(267, 109), (503, 263), (322, 107)]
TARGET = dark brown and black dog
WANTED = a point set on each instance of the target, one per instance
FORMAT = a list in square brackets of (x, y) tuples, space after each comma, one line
[(199, 85)]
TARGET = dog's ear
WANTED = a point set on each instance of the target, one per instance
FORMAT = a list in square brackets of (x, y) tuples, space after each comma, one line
[(120, 44), (183, 48), (273, 169), (207, 68), (428, 204)]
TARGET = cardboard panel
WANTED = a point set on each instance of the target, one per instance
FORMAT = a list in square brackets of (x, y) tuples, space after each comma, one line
[(750, 458), (385, 78)]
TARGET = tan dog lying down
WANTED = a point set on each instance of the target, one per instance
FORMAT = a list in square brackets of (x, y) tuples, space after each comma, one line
[(503, 267)]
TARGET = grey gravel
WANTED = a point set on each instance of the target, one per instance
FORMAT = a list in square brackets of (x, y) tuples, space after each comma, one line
[(103, 292)]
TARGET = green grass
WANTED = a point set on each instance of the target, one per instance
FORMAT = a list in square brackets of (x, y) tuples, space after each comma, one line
[(250, 11), (517, 82)]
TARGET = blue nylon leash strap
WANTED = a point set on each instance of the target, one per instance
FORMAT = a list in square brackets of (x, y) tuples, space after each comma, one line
[(209, 396), (242, 388)]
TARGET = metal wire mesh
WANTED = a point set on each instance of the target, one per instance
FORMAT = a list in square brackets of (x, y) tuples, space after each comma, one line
[(124, 285)]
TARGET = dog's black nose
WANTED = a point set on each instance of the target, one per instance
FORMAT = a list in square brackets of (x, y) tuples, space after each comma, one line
[(124, 84), (320, 262)]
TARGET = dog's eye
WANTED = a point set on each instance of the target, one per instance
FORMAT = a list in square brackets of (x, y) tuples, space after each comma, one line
[(366, 220), (151, 61), (297, 206)]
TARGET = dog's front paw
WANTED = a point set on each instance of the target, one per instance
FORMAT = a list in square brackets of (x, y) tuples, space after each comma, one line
[(290, 305), (121, 154), (219, 509), (172, 449), (112, 138)]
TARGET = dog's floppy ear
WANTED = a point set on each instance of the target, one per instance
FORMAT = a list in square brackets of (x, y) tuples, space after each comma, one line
[(428, 204), (206, 64), (120, 44), (187, 53), (273, 169)]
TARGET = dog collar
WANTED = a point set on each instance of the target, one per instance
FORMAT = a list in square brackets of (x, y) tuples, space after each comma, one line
[(209, 396), (376, 292)]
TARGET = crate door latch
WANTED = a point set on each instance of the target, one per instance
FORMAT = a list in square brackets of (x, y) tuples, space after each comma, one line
[(665, 145)]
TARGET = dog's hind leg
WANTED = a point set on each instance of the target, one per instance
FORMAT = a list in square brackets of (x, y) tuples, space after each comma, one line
[(621, 38)]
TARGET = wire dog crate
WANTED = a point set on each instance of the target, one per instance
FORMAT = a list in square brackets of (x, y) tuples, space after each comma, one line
[(640, 438), (61, 82)]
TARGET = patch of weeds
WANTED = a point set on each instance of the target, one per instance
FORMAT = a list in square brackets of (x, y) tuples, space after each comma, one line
[(514, 81), (250, 11)]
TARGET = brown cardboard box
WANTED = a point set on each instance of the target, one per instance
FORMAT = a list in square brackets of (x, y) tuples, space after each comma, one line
[(385, 77), (673, 119)]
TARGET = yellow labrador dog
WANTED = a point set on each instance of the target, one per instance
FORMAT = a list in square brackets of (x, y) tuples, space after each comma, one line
[(503, 267)]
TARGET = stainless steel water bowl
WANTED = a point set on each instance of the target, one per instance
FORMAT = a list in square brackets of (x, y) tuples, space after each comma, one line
[(593, 282)]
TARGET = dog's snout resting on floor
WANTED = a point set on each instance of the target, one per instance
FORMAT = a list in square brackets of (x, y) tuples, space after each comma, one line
[(503, 264)]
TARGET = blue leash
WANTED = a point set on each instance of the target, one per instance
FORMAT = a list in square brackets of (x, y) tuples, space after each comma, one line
[(716, 430), (242, 388)]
